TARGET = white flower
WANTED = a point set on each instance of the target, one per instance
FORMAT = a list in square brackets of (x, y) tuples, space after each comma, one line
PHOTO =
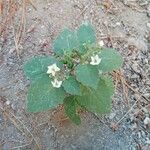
[(101, 43), (52, 69), (56, 83), (95, 60)]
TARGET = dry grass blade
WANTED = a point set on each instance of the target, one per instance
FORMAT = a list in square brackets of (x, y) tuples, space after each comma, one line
[(124, 83), (135, 103), (22, 127), (130, 87), (84, 10), (18, 123), (22, 146), (21, 29), (30, 1), (137, 92), (8, 11), (121, 79)]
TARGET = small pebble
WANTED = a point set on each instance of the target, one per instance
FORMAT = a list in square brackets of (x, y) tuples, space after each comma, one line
[(147, 121), (118, 23), (112, 115), (145, 110), (7, 103), (139, 134), (134, 126), (42, 26), (147, 95), (143, 3), (148, 24), (101, 43), (147, 141)]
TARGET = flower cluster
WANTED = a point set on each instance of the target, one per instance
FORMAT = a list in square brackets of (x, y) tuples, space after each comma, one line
[(52, 70)]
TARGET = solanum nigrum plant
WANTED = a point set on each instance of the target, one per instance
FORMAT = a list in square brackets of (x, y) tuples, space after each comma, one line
[(75, 76)]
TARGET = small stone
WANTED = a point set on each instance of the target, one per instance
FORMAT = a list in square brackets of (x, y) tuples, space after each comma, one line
[(147, 121), (145, 61), (139, 135), (147, 95), (42, 26), (101, 43), (134, 126), (13, 106), (11, 50), (148, 24), (29, 10), (7, 103), (147, 141), (135, 67), (132, 118), (112, 115), (143, 3), (145, 110), (134, 76), (118, 23)]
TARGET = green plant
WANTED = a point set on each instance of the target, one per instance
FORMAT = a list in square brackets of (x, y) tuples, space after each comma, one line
[(76, 76)]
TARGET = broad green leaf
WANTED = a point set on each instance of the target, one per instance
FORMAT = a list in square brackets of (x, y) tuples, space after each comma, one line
[(66, 42), (86, 35), (72, 86), (70, 106), (111, 60), (87, 75), (37, 66), (69, 40), (43, 96), (99, 100)]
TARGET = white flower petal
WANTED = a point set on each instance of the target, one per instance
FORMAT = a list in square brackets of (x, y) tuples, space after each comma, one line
[(53, 73), (92, 59), (56, 68), (52, 69), (48, 71), (56, 83), (95, 60)]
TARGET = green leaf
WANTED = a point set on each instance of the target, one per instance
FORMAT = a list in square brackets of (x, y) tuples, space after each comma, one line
[(70, 106), (99, 100), (43, 96), (66, 42), (86, 35), (111, 60), (69, 40), (87, 75), (72, 86), (37, 66)]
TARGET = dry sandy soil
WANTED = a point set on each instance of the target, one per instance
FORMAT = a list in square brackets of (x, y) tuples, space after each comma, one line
[(122, 24)]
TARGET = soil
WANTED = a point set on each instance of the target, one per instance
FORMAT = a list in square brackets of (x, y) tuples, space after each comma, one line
[(121, 24)]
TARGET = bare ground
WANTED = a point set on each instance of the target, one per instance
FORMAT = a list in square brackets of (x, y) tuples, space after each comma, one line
[(122, 24)]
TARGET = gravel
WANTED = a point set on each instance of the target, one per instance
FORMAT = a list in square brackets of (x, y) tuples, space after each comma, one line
[(123, 25)]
